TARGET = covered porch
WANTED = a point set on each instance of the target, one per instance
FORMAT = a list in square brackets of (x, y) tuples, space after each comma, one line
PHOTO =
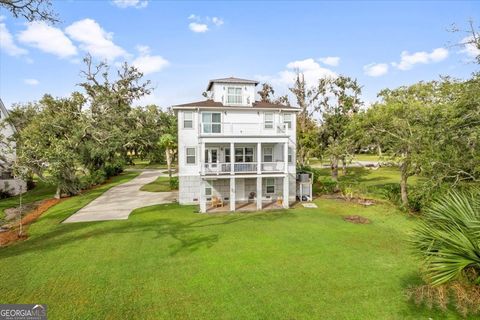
[(244, 193), (220, 158)]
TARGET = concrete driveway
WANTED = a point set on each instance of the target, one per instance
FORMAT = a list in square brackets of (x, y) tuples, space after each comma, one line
[(118, 202)]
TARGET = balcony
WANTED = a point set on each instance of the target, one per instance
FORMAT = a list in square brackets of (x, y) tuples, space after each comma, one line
[(243, 167), (243, 129)]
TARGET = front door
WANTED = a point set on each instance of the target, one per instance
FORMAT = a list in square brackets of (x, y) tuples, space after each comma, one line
[(211, 159), (239, 189)]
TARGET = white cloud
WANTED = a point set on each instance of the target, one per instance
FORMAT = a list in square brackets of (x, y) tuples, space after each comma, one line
[(147, 63), (201, 24), (48, 39), (95, 40), (470, 48), (31, 82), (7, 43), (198, 27), (311, 70), (217, 21), (330, 61), (407, 60), (130, 3), (375, 69)]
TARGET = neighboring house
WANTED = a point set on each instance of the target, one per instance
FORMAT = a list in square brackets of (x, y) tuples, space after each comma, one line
[(235, 152), (7, 156)]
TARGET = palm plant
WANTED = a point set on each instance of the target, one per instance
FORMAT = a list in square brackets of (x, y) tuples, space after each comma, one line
[(448, 239)]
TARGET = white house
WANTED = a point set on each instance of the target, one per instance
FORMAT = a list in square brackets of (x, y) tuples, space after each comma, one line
[(235, 152), (7, 156)]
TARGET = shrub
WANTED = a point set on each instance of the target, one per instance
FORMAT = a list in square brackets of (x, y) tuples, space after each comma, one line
[(4, 194), (448, 242), (173, 183), (93, 179), (113, 169)]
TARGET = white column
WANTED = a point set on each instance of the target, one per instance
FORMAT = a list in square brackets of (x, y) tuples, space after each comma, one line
[(259, 193), (285, 156), (232, 194), (259, 158), (285, 192), (203, 198), (202, 157), (232, 158)]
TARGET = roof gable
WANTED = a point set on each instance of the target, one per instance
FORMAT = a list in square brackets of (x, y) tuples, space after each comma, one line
[(230, 80)]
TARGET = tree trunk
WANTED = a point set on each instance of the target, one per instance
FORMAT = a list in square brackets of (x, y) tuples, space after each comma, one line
[(403, 184), (334, 167), (344, 166), (379, 150), (58, 193), (169, 163)]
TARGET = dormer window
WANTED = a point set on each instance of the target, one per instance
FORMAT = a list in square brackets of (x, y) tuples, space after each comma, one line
[(234, 95)]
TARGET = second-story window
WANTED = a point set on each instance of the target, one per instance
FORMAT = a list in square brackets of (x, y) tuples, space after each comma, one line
[(290, 155), (268, 154), (287, 120), (191, 156), (188, 120), (244, 154), (211, 122), (227, 155), (234, 95), (268, 120)]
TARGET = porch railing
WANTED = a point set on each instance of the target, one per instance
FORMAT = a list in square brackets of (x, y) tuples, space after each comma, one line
[(273, 166), (242, 167), (248, 128)]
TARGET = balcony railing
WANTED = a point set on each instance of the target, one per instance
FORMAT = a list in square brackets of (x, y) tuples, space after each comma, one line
[(243, 167), (237, 128)]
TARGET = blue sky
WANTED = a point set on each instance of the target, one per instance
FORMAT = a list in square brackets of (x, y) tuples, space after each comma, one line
[(181, 45)]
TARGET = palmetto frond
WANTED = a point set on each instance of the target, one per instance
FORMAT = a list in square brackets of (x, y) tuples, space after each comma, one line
[(448, 239)]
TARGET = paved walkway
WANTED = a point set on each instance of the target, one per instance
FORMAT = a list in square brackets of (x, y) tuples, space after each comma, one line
[(119, 201)]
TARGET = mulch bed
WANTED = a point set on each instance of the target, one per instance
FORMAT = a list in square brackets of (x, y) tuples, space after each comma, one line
[(12, 234), (356, 219)]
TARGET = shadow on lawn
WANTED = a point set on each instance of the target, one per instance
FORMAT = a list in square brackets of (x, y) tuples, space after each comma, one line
[(419, 310), (186, 232)]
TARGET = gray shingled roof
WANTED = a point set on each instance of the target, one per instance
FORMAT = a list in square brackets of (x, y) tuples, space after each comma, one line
[(230, 80), (256, 105)]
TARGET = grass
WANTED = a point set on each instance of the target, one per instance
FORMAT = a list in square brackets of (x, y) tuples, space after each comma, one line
[(162, 184), (146, 164), (168, 262), (366, 181), (41, 191), (314, 162)]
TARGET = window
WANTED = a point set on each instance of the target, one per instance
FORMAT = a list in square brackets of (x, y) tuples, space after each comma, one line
[(243, 154), (208, 192), (191, 156), (234, 95), (268, 154), (268, 120), (227, 155), (287, 120), (270, 184), (211, 122), (188, 120), (290, 155)]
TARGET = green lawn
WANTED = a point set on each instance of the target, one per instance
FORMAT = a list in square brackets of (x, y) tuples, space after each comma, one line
[(365, 181), (145, 164), (162, 184), (169, 262), (40, 192)]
